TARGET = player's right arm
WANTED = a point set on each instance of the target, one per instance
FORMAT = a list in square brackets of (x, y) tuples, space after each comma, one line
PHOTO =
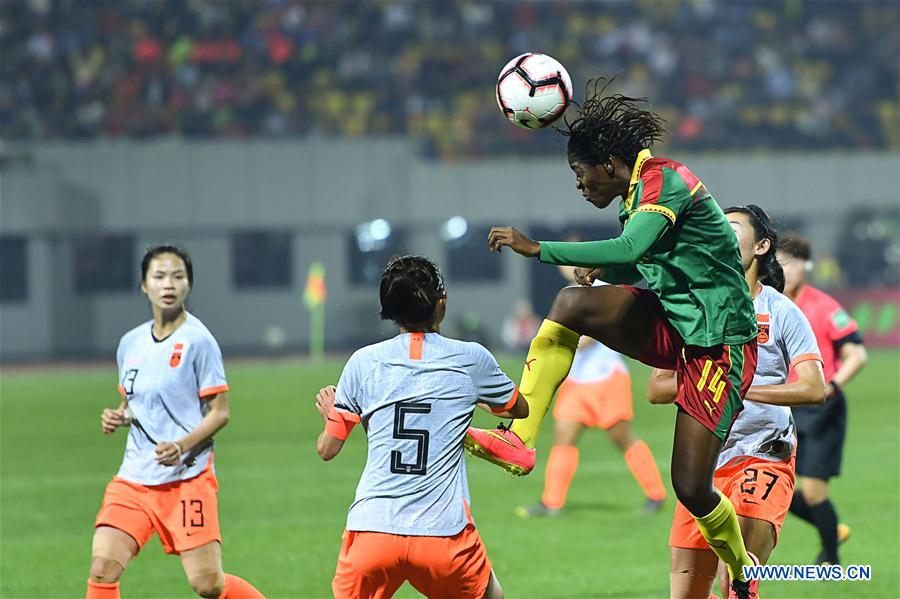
[(340, 407), (662, 388), (337, 429), (111, 420)]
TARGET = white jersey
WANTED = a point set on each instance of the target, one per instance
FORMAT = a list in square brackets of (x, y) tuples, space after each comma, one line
[(595, 362), (165, 383), (415, 395), (785, 339)]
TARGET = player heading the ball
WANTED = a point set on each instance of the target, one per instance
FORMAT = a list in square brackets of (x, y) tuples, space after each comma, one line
[(696, 317)]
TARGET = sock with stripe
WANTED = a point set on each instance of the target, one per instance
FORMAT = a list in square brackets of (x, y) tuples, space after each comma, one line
[(238, 588), (643, 467), (546, 367), (561, 468), (722, 532), (102, 590)]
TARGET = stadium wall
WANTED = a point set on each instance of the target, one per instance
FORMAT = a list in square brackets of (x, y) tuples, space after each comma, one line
[(317, 191)]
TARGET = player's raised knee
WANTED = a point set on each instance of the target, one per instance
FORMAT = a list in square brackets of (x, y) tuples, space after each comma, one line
[(568, 306), (209, 586), (105, 570)]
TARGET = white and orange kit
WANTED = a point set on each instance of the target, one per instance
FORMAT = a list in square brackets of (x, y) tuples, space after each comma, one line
[(166, 383)]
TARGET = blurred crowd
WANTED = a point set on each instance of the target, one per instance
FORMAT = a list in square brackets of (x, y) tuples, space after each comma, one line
[(767, 74)]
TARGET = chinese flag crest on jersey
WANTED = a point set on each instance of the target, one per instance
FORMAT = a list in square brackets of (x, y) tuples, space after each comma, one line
[(175, 359), (762, 323)]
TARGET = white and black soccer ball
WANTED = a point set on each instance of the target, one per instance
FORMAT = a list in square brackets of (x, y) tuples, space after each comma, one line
[(533, 90)]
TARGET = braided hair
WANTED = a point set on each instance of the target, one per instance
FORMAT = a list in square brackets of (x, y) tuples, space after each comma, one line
[(410, 289), (613, 125), (770, 271)]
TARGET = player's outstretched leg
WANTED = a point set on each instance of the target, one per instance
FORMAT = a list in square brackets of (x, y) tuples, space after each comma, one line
[(610, 314), (546, 366)]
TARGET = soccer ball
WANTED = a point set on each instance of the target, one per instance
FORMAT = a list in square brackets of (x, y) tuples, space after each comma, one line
[(533, 90)]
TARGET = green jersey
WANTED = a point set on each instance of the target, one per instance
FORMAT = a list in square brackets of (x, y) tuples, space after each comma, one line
[(677, 238)]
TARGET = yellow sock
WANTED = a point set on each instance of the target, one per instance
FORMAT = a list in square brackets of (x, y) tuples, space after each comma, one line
[(721, 530), (546, 367)]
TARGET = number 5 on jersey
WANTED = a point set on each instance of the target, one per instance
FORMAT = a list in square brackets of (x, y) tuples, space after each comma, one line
[(401, 431)]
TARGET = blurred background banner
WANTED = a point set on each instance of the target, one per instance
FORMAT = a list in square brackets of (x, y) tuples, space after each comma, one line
[(267, 137)]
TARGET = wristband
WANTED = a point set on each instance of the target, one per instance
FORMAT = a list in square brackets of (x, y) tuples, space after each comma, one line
[(178, 449)]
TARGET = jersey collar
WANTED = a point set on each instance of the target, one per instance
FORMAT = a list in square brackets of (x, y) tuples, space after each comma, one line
[(642, 157)]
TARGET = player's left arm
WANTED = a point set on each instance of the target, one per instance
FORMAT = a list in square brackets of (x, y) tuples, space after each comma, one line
[(639, 235), (169, 453), (796, 340), (210, 372), (519, 409), (662, 388), (337, 425), (807, 390)]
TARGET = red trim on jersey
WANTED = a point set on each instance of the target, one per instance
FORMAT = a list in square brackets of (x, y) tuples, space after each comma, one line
[(415, 345), (509, 404), (210, 391), (122, 391), (805, 358)]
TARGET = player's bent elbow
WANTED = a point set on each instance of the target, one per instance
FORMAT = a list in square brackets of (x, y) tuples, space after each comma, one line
[(326, 455), (326, 452), (816, 393)]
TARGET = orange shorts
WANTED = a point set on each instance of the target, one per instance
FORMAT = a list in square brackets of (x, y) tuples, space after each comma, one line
[(373, 565), (756, 487), (185, 514), (600, 404)]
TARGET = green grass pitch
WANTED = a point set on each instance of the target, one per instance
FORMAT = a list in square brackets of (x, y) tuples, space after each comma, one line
[(283, 510)]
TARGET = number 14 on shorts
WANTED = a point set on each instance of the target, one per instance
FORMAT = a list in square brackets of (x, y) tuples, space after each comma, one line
[(716, 384)]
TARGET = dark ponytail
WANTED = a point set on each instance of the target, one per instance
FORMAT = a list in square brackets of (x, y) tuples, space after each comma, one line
[(410, 289), (770, 271)]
